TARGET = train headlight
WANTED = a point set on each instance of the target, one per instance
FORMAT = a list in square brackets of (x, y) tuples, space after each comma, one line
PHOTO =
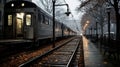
[(22, 4), (12, 5)]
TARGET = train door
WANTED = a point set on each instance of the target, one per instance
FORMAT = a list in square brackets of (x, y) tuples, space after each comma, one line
[(19, 25), (28, 27), (13, 26)]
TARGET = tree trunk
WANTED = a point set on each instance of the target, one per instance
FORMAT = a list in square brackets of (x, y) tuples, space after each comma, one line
[(117, 20)]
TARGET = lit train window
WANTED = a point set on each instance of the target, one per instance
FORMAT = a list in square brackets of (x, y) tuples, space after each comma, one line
[(9, 20), (28, 19)]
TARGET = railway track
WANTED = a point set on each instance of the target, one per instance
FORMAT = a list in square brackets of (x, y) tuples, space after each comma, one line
[(61, 56)]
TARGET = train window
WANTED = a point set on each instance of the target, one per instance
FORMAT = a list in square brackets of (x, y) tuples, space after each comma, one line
[(39, 17), (43, 19), (57, 25), (9, 20), (46, 21), (49, 22), (28, 19)]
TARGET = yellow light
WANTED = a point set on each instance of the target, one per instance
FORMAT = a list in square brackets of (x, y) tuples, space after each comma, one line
[(12, 5), (20, 15), (81, 34), (88, 22), (86, 25), (22, 4), (57, 29)]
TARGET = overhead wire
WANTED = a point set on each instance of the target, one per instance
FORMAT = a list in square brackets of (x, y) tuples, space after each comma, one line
[(73, 17)]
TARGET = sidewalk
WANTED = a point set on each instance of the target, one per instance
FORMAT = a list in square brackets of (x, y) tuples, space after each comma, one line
[(92, 55)]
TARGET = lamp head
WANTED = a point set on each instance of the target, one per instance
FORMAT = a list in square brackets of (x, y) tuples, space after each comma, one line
[(67, 13)]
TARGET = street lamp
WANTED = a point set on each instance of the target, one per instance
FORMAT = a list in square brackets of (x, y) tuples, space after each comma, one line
[(97, 31), (108, 12), (67, 13), (94, 32), (91, 32)]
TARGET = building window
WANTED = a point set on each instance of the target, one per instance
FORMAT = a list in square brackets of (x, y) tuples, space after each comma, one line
[(9, 20), (28, 19)]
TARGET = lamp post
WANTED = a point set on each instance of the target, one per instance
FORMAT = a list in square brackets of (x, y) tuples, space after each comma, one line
[(97, 31), (91, 31), (94, 32), (67, 13), (53, 23), (108, 12)]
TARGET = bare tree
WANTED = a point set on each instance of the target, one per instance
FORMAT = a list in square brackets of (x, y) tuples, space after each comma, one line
[(47, 5), (96, 9), (59, 11), (116, 5)]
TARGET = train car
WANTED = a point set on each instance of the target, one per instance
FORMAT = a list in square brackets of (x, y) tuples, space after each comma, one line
[(25, 20)]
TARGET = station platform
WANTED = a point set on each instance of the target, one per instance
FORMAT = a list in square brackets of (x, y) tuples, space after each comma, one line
[(93, 57)]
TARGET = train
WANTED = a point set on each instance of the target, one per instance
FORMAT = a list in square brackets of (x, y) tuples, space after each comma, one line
[(25, 20)]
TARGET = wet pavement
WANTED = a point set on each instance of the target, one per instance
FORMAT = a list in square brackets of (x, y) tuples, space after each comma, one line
[(93, 57)]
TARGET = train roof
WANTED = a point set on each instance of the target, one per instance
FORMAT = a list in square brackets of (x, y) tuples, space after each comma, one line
[(19, 4)]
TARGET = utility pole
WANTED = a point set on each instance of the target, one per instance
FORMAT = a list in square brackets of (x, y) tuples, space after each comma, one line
[(67, 13), (53, 23)]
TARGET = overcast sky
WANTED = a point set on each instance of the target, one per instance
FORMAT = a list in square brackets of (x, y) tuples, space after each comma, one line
[(73, 4)]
